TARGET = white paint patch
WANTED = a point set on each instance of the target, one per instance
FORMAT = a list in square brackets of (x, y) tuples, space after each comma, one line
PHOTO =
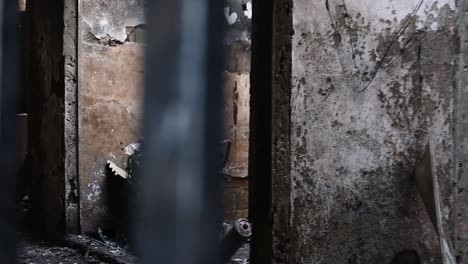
[(95, 192), (248, 12), (104, 22), (230, 18)]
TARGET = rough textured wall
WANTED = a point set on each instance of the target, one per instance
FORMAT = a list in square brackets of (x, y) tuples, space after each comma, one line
[(70, 53), (281, 131), (461, 149), (46, 121), (372, 81), (238, 16), (110, 71)]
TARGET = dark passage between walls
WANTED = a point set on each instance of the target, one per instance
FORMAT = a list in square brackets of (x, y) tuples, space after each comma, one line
[(45, 90), (260, 132)]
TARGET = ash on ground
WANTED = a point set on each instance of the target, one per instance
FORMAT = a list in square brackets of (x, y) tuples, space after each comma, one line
[(30, 252), (42, 253)]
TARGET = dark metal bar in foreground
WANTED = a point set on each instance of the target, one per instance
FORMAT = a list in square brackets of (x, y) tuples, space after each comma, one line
[(179, 210), (9, 78)]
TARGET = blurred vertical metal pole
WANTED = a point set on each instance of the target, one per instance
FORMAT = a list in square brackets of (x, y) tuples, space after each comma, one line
[(178, 214), (9, 78)]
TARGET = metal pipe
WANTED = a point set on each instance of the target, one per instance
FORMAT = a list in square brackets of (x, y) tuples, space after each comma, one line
[(179, 208)]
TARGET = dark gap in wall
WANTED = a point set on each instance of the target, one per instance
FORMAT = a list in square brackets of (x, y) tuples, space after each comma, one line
[(72, 194), (45, 97), (244, 7), (235, 97), (260, 160)]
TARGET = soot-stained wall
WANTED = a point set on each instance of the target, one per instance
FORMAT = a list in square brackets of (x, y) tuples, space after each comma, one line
[(110, 69), (110, 75), (372, 82)]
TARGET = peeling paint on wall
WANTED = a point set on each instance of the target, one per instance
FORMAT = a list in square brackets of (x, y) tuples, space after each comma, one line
[(104, 19), (111, 72)]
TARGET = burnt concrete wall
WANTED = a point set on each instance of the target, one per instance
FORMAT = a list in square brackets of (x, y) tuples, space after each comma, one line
[(110, 70), (70, 54), (372, 82), (281, 132), (110, 74), (45, 90), (461, 151), (238, 16)]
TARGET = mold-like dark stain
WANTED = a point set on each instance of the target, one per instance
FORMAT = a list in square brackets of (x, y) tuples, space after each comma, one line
[(327, 91), (336, 123), (235, 99)]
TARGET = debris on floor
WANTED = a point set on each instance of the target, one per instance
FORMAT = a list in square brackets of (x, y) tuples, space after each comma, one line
[(114, 254), (83, 250), (234, 234), (41, 253), (104, 250)]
